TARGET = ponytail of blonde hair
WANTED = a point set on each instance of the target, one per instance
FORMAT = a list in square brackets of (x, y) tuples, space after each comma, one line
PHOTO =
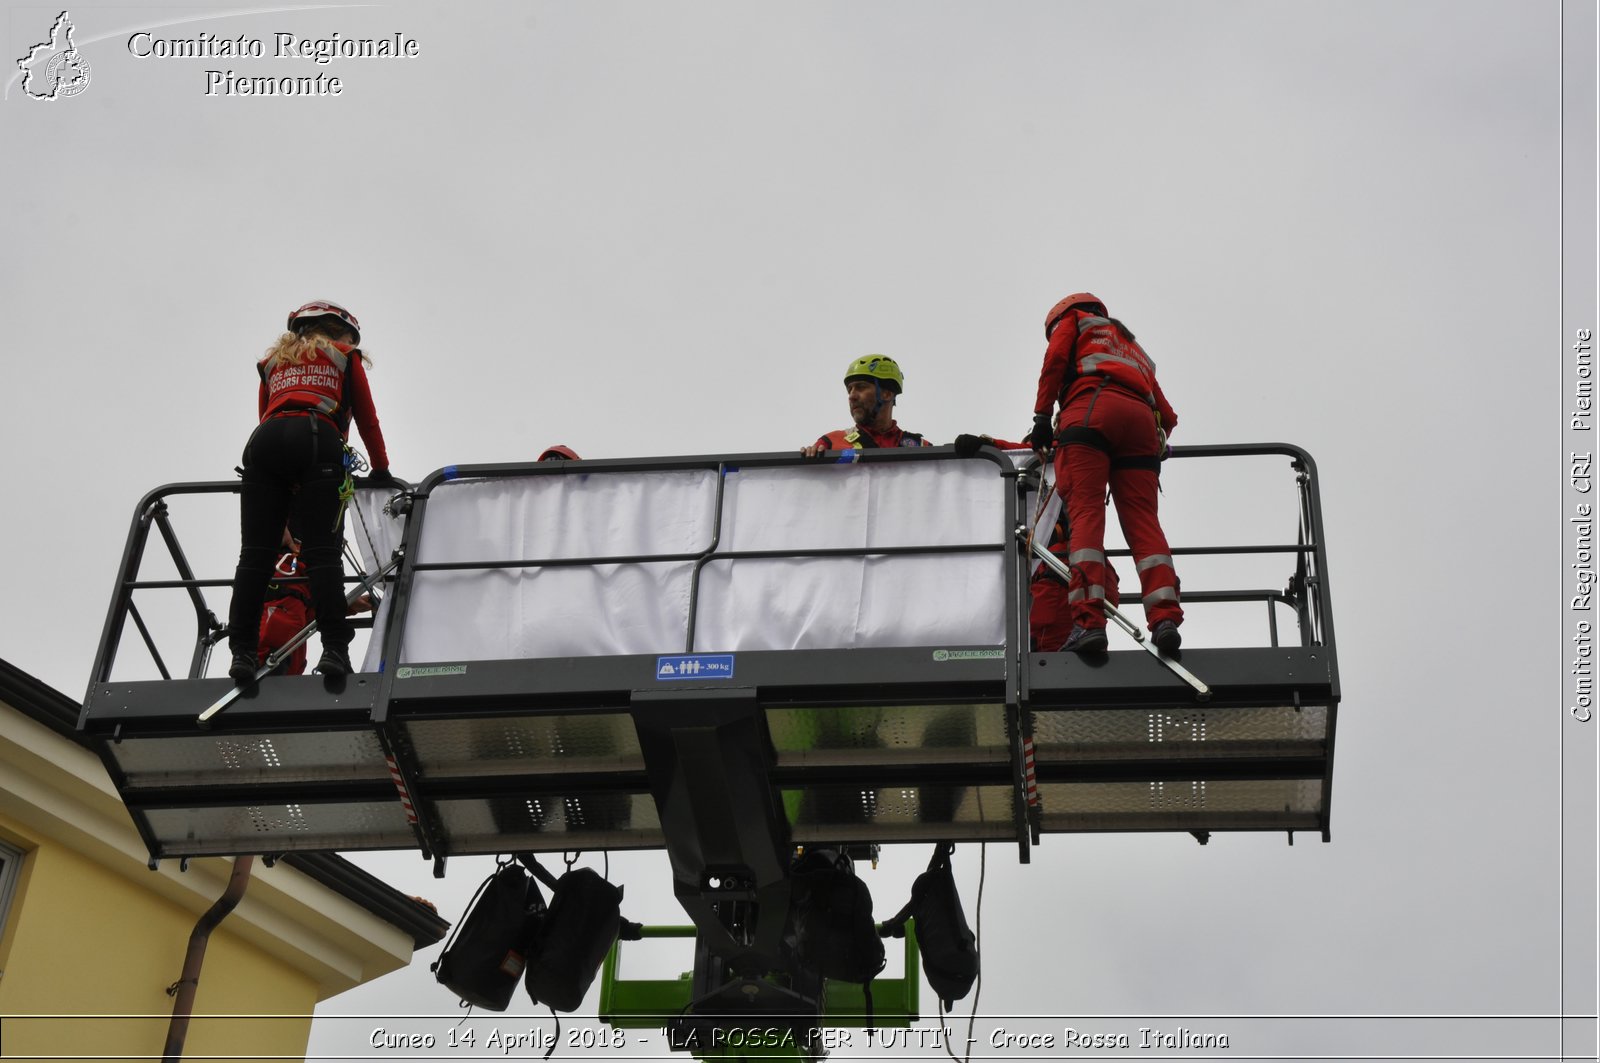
[(294, 348)]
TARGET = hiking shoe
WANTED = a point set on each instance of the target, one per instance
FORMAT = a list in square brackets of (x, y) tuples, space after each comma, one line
[(335, 662), (243, 669), (1085, 640), (1166, 637)]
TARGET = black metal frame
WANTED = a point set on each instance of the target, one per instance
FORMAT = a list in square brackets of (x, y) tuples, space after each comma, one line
[(1012, 683)]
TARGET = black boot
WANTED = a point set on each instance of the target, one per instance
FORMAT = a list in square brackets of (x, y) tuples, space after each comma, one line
[(1085, 640), (244, 620), (1166, 637), (335, 662), (243, 669)]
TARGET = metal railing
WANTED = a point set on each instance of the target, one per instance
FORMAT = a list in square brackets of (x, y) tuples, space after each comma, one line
[(1305, 594)]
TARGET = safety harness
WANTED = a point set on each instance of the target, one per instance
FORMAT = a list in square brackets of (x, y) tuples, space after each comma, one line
[(288, 567), (864, 441), (1083, 435)]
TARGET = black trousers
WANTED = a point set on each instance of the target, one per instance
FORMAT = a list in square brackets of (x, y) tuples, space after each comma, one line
[(293, 469)]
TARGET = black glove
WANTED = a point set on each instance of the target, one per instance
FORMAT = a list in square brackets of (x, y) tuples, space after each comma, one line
[(1043, 433), (380, 478), (967, 445)]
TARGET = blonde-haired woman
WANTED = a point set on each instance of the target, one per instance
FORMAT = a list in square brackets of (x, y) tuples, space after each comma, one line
[(313, 382)]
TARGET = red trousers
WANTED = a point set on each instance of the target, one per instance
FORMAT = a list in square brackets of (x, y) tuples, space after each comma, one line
[(1049, 614), (1083, 473)]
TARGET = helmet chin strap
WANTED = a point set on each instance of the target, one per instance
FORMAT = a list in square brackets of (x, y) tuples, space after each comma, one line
[(877, 402)]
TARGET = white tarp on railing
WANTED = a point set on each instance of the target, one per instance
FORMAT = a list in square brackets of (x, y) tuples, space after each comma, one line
[(564, 610)]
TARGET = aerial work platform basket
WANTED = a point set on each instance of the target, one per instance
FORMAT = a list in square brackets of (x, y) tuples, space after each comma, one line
[(722, 657)]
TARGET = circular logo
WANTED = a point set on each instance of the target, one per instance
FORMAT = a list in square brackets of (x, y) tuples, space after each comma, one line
[(402, 673), (67, 73), (941, 655)]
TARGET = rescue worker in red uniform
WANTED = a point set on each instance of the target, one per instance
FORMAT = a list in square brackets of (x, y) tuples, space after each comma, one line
[(1050, 615), (288, 610), (1112, 431), (558, 452), (313, 383), (872, 384)]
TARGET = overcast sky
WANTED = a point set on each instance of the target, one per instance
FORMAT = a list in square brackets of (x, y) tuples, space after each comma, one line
[(665, 228)]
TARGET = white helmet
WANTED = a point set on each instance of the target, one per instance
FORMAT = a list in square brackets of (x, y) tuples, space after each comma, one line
[(322, 308)]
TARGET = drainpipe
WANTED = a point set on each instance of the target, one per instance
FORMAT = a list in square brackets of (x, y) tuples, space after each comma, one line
[(185, 988)]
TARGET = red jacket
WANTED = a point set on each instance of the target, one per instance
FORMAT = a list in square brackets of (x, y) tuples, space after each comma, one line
[(863, 438), (1086, 351), (331, 382)]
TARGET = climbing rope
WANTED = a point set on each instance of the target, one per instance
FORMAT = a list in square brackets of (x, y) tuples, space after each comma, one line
[(354, 462)]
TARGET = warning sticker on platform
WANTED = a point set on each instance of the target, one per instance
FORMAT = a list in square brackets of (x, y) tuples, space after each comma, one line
[(434, 669), (696, 666), (969, 655)]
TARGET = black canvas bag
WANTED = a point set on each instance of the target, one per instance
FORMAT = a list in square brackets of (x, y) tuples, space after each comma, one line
[(487, 951), (833, 927), (577, 931), (949, 948)]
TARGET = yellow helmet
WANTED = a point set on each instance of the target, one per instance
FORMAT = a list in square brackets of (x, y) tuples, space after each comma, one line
[(878, 367)]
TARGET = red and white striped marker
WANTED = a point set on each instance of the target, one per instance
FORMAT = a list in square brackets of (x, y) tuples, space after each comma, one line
[(1030, 778), (400, 785)]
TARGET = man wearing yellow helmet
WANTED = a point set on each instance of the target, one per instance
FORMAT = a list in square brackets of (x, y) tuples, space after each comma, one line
[(872, 383)]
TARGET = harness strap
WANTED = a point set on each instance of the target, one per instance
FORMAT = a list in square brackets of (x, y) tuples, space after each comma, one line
[(289, 590), (864, 440), (305, 411), (1083, 435)]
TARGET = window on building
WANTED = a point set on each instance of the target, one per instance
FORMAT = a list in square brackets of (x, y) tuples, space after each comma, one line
[(10, 871)]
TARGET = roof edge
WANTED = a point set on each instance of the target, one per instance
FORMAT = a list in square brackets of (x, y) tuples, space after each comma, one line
[(407, 913), (40, 702), (50, 708)]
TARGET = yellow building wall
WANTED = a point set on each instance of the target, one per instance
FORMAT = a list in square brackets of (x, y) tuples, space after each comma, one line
[(84, 942)]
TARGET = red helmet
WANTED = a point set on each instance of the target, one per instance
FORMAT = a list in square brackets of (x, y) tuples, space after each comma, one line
[(559, 453), (1059, 311), (322, 308)]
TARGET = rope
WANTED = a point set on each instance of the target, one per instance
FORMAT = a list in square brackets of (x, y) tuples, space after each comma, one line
[(977, 941), (354, 462), (556, 1040)]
